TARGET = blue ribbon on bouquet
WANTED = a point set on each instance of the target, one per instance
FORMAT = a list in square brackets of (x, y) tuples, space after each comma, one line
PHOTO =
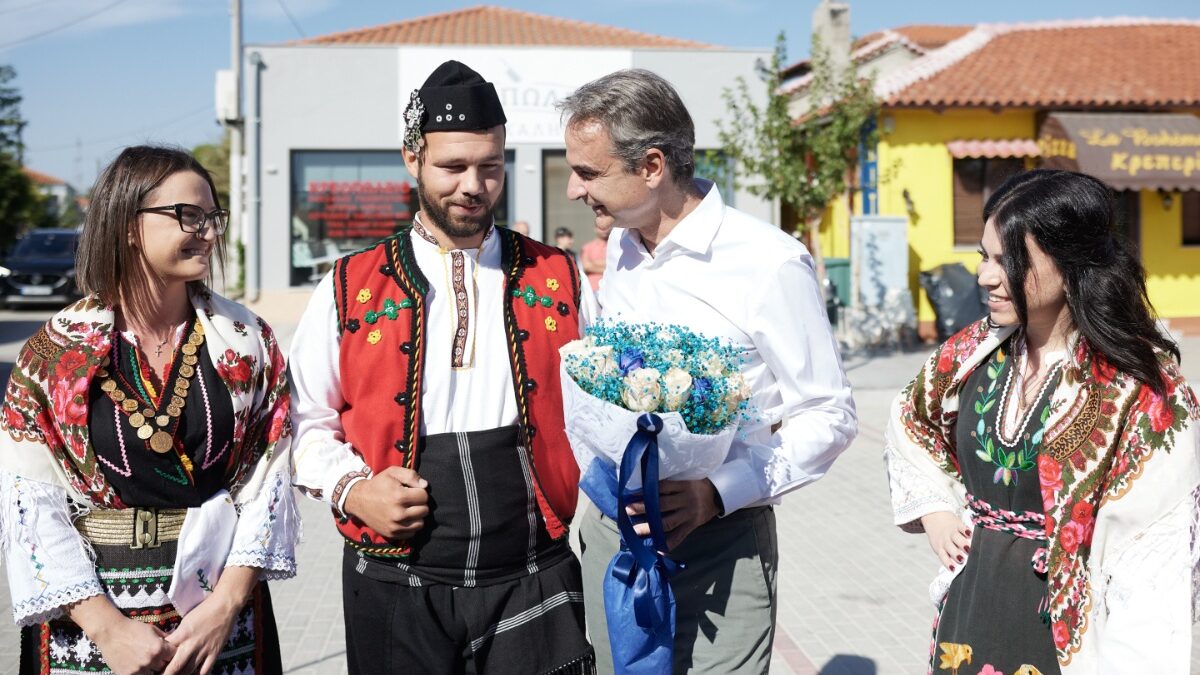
[(638, 601)]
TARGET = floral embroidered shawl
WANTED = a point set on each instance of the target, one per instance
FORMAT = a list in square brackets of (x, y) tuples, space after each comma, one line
[(45, 411), (1119, 475)]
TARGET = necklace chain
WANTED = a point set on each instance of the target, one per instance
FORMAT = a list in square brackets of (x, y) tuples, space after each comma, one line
[(1020, 356)]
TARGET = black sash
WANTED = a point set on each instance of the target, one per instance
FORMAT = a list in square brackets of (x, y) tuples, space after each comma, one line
[(484, 524)]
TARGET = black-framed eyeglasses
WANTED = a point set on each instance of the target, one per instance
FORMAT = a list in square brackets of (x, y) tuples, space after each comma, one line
[(192, 219)]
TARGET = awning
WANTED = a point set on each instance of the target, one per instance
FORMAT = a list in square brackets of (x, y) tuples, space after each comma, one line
[(1129, 151), (1016, 147)]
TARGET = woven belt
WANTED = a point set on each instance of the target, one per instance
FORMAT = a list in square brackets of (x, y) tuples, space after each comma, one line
[(136, 527)]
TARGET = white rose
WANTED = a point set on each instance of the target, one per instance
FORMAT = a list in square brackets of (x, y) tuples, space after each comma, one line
[(678, 387), (673, 357), (713, 365), (642, 391), (576, 346), (597, 361), (738, 390)]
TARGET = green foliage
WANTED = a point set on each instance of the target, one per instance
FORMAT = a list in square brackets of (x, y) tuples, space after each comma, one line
[(11, 122), (215, 158), (20, 204), (804, 163)]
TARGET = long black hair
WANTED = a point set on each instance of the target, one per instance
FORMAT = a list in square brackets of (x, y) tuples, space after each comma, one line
[(1071, 217)]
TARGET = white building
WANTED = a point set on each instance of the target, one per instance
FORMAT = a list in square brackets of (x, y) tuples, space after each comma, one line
[(324, 174)]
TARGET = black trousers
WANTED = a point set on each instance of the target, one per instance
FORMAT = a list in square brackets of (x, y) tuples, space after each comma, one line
[(533, 624)]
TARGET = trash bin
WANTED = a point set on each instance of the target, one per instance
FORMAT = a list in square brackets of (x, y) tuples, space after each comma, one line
[(958, 301), (837, 291)]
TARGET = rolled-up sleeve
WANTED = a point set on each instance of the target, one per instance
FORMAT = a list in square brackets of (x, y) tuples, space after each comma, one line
[(791, 332)]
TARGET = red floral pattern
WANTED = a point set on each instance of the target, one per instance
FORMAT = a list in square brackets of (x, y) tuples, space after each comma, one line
[(1099, 458)]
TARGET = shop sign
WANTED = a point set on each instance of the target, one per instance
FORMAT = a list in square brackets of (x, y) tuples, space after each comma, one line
[(530, 81), (1129, 151)]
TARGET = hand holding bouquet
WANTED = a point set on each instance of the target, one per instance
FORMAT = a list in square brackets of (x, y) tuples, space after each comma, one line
[(652, 401)]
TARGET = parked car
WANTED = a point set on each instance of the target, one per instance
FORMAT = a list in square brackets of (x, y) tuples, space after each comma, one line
[(41, 269)]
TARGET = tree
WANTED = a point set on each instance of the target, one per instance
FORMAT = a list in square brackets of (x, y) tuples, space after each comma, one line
[(20, 204), (215, 158), (805, 162), (11, 123)]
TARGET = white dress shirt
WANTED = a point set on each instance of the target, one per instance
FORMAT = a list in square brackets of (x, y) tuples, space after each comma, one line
[(725, 274), (476, 397)]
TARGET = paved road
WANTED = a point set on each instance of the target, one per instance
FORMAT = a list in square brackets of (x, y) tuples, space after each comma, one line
[(852, 588)]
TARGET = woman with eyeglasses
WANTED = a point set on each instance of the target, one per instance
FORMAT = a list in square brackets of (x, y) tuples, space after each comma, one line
[(1049, 453), (145, 482)]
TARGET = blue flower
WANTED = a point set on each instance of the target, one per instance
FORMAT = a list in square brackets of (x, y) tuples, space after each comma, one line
[(700, 389), (630, 360)]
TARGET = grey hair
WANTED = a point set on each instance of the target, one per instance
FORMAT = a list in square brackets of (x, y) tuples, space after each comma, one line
[(640, 111)]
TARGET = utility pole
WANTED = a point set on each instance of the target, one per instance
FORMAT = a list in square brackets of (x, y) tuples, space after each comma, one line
[(236, 127)]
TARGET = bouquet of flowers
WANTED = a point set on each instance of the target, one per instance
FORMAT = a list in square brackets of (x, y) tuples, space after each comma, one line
[(620, 371), (644, 402)]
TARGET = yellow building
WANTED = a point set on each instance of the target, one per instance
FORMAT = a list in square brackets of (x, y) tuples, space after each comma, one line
[(964, 107)]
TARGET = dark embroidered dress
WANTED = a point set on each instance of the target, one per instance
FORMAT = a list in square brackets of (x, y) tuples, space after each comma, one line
[(992, 615), (198, 464)]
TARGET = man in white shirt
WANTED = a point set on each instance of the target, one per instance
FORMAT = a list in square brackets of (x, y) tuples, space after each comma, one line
[(428, 415), (682, 256)]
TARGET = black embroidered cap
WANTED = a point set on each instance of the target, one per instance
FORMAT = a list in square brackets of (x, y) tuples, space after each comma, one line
[(453, 98)]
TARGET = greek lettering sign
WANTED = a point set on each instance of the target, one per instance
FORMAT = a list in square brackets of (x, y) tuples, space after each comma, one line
[(355, 209), (1129, 151), (529, 82)]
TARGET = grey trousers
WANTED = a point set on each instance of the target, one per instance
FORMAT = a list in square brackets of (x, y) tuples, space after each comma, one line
[(724, 600)]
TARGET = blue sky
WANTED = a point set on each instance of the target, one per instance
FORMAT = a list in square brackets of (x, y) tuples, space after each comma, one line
[(101, 74)]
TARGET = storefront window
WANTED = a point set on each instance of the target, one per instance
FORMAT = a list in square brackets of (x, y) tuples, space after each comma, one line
[(345, 200)]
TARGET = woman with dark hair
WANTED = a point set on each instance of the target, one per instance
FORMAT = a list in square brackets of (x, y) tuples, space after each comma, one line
[(1049, 453), (145, 479)]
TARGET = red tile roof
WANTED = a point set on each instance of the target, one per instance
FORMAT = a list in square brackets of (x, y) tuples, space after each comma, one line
[(926, 37), (42, 178), (918, 39), (486, 25), (1115, 63)]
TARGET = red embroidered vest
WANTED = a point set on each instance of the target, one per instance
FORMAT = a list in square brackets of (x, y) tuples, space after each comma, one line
[(381, 313)]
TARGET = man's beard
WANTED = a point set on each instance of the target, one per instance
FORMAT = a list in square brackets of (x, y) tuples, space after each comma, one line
[(456, 227)]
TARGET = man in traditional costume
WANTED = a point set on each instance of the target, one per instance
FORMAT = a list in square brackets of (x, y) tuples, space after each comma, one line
[(429, 416), (685, 257)]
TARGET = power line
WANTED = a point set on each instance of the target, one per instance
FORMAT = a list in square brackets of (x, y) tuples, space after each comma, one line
[(141, 130), (291, 18), (55, 29), (9, 10)]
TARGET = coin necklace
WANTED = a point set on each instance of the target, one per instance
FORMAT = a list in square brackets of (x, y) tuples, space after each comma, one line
[(145, 420)]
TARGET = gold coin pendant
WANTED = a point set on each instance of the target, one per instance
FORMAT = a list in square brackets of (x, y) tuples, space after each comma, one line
[(174, 411), (186, 370), (160, 442), (108, 386), (144, 432), (162, 420), (129, 405), (188, 349), (118, 396), (137, 419)]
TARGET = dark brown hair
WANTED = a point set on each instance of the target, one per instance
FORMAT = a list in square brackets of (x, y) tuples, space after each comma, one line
[(1072, 218), (105, 263)]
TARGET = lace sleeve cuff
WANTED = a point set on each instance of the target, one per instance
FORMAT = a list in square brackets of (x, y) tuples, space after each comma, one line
[(53, 604)]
